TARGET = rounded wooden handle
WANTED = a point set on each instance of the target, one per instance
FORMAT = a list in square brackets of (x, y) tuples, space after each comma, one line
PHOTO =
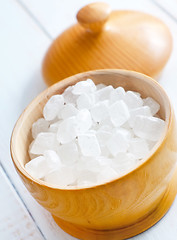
[(93, 16)]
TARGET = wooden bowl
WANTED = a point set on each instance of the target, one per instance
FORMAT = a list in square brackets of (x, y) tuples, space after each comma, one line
[(121, 208)]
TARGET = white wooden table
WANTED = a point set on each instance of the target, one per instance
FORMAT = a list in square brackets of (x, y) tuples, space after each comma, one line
[(27, 28)]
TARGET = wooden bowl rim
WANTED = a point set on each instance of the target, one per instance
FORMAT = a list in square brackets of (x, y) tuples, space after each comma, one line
[(154, 150)]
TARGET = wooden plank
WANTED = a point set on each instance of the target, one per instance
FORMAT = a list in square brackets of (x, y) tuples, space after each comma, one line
[(15, 221), (55, 16), (168, 6), (22, 47), (165, 229), (21, 82)]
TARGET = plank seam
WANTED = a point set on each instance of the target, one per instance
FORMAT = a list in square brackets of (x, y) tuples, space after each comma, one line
[(164, 10), (18, 194), (33, 17)]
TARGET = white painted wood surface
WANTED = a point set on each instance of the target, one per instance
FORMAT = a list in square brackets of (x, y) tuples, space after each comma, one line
[(15, 221), (169, 6), (27, 29)]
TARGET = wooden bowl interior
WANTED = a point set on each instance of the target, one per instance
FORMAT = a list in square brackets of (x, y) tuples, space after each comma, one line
[(21, 137)]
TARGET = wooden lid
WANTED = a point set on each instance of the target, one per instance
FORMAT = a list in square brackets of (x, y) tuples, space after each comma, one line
[(105, 39)]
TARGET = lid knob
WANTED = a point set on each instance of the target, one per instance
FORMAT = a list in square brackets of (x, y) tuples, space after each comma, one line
[(93, 16)]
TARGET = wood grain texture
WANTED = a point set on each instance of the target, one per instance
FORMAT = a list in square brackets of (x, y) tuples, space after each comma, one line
[(93, 16), (122, 202), (121, 39), (22, 47)]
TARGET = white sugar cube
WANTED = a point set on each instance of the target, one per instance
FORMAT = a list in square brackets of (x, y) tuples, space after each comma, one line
[(42, 165), (54, 126), (52, 160), (68, 153), (106, 122), (91, 135), (124, 162), (89, 145), (62, 177), (67, 130), (128, 129), (100, 86), (84, 121), (87, 163), (106, 175), (103, 137), (133, 100), (69, 110), (127, 126), (122, 157), (52, 107), (68, 96), (43, 142), (119, 142), (144, 111), (150, 128), (106, 127), (105, 151), (91, 131), (119, 113), (37, 167), (125, 132), (95, 125), (137, 93), (86, 178), (85, 184), (103, 93), (117, 94), (138, 147), (154, 106), (41, 125), (100, 111), (104, 161), (87, 86), (85, 101)]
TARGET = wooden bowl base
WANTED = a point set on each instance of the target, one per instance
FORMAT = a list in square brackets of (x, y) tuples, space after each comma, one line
[(130, 231)]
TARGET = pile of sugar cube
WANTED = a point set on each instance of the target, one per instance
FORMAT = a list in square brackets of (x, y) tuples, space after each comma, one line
[(92, 134)]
